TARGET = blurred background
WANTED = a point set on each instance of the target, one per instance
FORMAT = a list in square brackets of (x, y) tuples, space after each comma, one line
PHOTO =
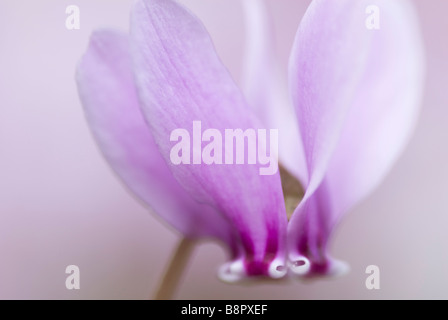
[(60, 204)]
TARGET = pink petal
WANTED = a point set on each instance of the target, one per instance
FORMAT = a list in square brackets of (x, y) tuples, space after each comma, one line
[(180, 80), (357, 94), (111, 106), (266, 89)]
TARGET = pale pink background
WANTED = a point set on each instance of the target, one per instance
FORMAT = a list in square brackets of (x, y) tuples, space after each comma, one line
[(60, 203)]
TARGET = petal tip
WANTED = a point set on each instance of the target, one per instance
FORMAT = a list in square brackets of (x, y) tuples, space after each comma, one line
[(338, 269), (232, 272), (300, 265), (277, 269)]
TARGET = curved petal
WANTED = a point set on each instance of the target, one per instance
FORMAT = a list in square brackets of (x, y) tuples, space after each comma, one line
[(266, 90), (181, 80), (111, 106), (357, 93)]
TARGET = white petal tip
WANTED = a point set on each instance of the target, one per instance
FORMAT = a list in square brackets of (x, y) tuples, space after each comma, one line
[(339, 268), (299, 265), (232, 272), (277, 269)]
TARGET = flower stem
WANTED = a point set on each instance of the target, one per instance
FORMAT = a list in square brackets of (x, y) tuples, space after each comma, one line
[(176, 268)]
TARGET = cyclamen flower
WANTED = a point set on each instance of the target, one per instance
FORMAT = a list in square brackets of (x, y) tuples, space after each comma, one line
[(355, 97)]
